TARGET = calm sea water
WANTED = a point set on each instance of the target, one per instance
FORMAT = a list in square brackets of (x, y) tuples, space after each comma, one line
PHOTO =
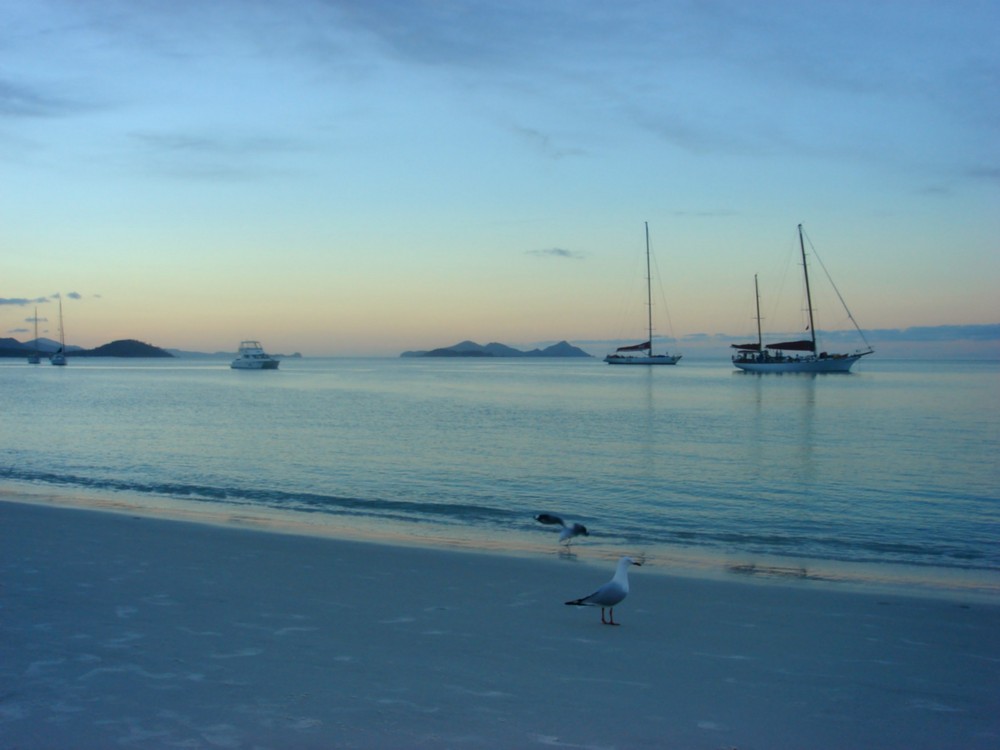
[(888, 474)]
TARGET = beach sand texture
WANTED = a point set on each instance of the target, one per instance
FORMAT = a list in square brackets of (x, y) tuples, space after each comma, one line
[(126, 631)]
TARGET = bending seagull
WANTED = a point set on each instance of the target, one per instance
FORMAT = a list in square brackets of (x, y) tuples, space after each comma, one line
[(610, 593), (569, 530)]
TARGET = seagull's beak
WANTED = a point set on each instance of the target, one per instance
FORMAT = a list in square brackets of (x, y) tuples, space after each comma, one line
[(636, 563)]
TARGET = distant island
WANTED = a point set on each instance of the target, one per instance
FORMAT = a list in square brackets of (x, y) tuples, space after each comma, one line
[(121, 348), (472, 349)]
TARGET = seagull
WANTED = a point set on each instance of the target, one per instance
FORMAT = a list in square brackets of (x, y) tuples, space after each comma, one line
[(569, 530), (610, 593)]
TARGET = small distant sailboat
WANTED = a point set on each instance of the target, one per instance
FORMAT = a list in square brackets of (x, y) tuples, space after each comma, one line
[(759, 357), (629, 355), (58, 357), (35, 358)]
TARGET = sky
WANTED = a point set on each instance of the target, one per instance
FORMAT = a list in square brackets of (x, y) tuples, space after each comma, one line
[(363, 178)]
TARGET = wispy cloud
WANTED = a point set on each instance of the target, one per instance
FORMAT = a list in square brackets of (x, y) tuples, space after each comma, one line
[(22, 301), (708, 213), (990, 174), (216, 155), (555, 252), (24, 101), (915, 334), (229, 144), (545, 144)]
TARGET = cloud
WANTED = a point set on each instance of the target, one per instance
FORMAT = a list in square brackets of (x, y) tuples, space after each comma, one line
[(916, 334), (455, 34), (555, 252), (21, 301), (18, 100), (230, 144), (987, 332), (215, 156), (544, 143), (708, 213), (991, 174)]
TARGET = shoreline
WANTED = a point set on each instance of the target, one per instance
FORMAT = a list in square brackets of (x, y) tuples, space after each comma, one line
[(875, 578), (122, 629)]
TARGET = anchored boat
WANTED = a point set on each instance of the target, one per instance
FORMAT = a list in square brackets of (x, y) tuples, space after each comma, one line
[(800, 355), (253, 357), (642, 354)]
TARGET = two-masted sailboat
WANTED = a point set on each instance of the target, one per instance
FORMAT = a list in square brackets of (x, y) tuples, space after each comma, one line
[(801, 355), (642, 354)]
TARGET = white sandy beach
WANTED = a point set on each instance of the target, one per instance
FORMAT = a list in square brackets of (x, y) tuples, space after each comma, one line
[(126, 631)]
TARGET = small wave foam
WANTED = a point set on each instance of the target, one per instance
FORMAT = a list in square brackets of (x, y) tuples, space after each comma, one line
[(303, 502)]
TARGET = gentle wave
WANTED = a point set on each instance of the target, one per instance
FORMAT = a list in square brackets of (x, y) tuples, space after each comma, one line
[(817, 547), (304, 502)]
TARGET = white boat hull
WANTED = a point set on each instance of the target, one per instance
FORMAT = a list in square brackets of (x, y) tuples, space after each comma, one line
[(834, 363), (254, 364), (656, 359)]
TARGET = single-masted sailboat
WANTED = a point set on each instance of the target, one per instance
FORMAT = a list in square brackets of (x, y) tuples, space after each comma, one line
[(631, 355), (59, 357)]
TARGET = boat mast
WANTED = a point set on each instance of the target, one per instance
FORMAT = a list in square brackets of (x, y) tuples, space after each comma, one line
[(756, 292), (809, 303), (649, 293), (62, 331)]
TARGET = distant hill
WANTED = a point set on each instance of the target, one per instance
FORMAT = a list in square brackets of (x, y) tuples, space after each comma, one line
[(41, 345), (122, 348), (472, 349)]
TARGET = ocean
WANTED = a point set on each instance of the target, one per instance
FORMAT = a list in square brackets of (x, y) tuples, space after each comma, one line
[(888, 476)]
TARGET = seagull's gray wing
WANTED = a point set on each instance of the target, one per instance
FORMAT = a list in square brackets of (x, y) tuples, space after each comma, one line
[(607, 595)]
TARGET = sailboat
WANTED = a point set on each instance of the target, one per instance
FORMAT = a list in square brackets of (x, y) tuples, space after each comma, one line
[(34, 358), (58, 357), (632, 354), (800, 355)]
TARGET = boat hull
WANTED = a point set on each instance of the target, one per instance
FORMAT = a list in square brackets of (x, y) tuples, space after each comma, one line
[(659, 359), (835, 363), (255, 364)]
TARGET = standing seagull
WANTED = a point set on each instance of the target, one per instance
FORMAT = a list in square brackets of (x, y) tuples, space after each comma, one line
[(610, 593), (569, 530)]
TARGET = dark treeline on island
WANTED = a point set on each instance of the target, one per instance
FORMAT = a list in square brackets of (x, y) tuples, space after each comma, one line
[(472, 349), (122, 348)]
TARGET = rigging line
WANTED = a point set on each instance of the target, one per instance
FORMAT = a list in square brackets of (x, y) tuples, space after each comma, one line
[(663, 297), (835, 289)]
